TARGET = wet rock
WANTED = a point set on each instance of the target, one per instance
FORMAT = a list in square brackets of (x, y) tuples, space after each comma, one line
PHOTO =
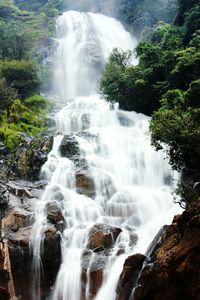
[(4, 196), (93, 266), (30, 158), (23, 218), (172, 270), (17, 218), (69, 147), (86, 120), (60, 226), (4, 294), (128, 278), (54, 214), (85, 184), (3, 149), (51, 255), (18, 245), (102, 237)]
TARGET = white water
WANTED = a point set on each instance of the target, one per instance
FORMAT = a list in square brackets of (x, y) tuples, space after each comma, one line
[(132, 186)]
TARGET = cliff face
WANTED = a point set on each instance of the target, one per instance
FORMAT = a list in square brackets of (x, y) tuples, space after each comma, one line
[(172, 271)]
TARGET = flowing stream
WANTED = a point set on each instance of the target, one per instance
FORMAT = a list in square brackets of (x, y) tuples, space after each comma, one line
[(128, 184)]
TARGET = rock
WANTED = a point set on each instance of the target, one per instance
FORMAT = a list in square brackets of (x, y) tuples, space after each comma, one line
[(85, 184), (69, 147), (51, 256), (172, 271), (128, 278), (30, 158), (4, 294), (93, 266), (102, 237), (3, 149), (17, 217), (23, 218), (4, 196), (4, 278), (54, 214), (18, 245), (86, 119)]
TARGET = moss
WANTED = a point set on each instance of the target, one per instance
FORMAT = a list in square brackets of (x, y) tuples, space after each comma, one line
[(21, 118)]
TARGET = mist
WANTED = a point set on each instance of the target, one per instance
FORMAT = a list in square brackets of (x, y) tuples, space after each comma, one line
[(136, 14), (107, 7)]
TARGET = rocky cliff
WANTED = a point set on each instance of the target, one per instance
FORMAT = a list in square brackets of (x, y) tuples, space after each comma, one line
[(171, 269)]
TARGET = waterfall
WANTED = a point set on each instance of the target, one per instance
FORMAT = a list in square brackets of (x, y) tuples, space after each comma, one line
[(102, 169)]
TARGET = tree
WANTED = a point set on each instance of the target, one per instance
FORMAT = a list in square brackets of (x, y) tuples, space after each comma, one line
[(15, 41), (7, 94), (21, 75)]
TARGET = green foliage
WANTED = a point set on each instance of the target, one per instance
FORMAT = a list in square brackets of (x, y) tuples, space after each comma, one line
[(192, 22), (7, 94), (27, 117), (184, 6), (32, 5), (180, 130), (37, 103), (22, 75), (145, 13), (186, 68), (166, 84), (123, 83), (8, 9), (15, 41)]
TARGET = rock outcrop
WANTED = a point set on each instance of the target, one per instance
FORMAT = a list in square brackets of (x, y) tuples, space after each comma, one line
[(26, 161), (171, 269)]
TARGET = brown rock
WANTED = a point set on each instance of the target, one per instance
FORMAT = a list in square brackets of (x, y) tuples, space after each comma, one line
[(51, 255), (102, 237), (93, 266), (4, 294), (54, 214), (128, 278), (173, 271), (85, 184)]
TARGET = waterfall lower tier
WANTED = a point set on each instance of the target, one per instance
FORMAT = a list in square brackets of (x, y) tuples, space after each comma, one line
[(108, 191)]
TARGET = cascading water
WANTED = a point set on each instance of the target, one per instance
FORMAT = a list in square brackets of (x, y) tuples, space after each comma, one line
[(128, 184)]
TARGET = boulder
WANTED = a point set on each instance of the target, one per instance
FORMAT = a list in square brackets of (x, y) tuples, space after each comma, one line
[(54, 214), (69, 147), (128, 278), (102, 237), (85, 184), (51, 256)]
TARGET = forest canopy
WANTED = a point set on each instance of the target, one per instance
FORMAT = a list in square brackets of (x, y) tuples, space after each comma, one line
[(165, 84)]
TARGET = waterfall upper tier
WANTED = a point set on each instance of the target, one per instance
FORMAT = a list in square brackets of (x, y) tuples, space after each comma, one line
[(85, 41)]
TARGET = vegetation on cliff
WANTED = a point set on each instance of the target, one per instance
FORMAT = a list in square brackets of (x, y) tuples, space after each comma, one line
[(165, 84), (22, 33)]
